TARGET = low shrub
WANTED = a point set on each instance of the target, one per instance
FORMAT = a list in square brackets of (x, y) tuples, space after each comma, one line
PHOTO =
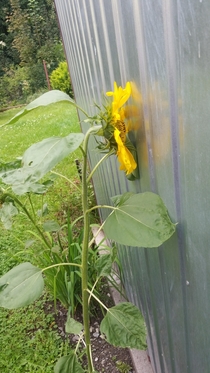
[(60, 79)]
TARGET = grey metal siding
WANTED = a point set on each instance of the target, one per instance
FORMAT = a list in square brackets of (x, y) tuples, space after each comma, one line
[(164, 47)]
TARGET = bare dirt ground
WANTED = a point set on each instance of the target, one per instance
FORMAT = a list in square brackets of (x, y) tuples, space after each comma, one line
[(106, 358)]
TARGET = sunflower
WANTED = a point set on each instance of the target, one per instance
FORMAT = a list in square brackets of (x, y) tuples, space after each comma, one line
[(116, 129)]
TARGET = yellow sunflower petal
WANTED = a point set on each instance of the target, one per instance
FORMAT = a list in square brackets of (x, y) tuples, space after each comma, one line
[(125, 158), (109, 93), (120, 96)]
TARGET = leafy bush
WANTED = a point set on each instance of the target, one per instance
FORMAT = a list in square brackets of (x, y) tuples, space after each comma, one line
[(60, 79), (14, 85), (36, 77), (53, 53), (19, 82)]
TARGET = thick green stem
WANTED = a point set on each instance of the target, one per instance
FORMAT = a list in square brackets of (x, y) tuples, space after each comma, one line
[(85, 295)]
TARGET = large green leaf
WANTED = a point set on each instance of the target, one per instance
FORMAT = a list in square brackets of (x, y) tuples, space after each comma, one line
[(21, 286), (139, 220), (44, 100), (9, 165), (124, 326), (68, 364), (39, 159), (28, 186)]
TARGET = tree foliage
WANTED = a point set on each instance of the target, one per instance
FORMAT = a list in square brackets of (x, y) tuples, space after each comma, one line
[(35, 30), (29, 34), (8, 54)]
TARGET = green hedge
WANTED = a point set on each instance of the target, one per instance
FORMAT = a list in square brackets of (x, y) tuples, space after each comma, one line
[(60, 79)]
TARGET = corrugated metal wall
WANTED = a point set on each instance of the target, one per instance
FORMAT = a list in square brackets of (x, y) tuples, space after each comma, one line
[(164, 47)]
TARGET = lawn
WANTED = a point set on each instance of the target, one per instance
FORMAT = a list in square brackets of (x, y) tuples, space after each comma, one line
[(28, 338), (54, 120)]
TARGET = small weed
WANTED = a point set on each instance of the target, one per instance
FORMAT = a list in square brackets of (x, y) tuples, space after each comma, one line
[(123, 367)]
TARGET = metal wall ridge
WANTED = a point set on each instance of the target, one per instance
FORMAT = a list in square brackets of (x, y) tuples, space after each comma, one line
[(162, 46)]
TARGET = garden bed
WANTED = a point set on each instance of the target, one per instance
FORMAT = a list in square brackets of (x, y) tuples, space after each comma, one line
[(106, 358)]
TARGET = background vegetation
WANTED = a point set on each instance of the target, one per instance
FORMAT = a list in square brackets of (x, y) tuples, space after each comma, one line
[(60, 79), (29, 339), (29, 35), (14, 140)]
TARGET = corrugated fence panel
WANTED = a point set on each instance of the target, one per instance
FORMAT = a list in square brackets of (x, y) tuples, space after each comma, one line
[(163, 47)]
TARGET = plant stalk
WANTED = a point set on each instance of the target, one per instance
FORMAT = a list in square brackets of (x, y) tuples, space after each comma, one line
[(85, 245)]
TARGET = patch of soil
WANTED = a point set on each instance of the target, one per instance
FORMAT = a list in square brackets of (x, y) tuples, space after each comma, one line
[(106, 358)]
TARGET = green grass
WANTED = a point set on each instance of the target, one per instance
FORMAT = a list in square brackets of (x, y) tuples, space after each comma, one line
[(54, 120), (28, 340)]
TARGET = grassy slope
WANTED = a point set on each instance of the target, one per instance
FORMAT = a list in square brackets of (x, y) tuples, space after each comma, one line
[(22, 348), (55, 120)]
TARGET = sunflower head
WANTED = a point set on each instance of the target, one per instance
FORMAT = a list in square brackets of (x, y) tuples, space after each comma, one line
[(115, 129)]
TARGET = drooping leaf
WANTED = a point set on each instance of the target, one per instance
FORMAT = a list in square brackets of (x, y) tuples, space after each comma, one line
[(51, 226), (104, 265), (124, 326), (29, 187), (36, 188), (68, 364), (43, 211), (48, 183), (50, 151), (39, 159), (72, 326), (44, 100), (140, 220), (7, 211), (21, 286), (9, 166)]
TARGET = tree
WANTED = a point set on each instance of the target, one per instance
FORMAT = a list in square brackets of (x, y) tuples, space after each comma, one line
[(8, 54), (29, 34), (34, 26)]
